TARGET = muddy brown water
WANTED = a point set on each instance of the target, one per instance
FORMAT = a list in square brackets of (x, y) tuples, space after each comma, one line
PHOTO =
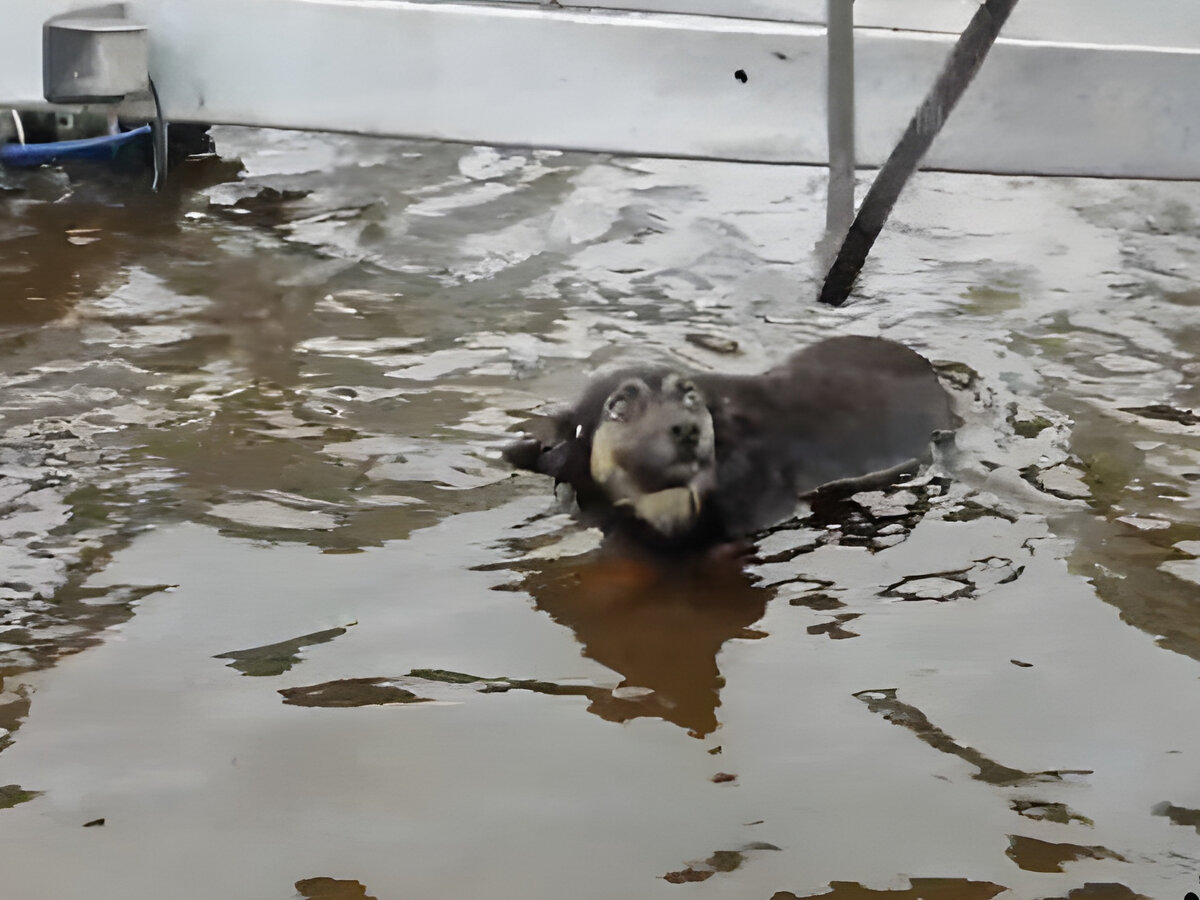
[(275, 622)]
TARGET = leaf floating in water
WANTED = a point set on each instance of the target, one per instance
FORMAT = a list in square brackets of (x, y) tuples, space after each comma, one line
[(275, 659), (332, 889), (348, 692), (93, 823)]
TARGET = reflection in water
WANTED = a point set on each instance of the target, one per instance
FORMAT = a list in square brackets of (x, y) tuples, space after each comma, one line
[(323, 353), (921, 889), (1034, 855), (659, 625), (66, 237), (331, 889)]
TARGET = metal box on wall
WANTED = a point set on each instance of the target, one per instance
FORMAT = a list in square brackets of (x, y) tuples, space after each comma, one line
[(93, 59)]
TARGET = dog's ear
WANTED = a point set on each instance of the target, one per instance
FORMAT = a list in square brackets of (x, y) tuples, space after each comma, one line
[(556, 461), (524, 453), (529, 453)]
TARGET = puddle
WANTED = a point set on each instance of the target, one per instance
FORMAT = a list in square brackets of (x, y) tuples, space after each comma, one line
[(268, 403)]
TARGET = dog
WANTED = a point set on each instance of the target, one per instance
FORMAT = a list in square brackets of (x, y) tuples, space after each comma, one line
[(683, 462)]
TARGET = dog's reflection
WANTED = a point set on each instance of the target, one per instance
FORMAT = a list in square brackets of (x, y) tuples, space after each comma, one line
[(659, 625)]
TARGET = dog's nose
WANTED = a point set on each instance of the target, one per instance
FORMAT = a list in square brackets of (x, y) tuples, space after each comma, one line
[(686, 433)]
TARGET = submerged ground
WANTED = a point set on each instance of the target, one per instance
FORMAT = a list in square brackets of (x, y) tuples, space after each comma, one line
[(275, 622)]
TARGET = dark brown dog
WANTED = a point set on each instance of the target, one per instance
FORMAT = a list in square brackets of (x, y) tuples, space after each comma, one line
[(682, 462)]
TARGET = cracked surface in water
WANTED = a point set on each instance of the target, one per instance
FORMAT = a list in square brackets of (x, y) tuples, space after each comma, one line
[(249, 428)]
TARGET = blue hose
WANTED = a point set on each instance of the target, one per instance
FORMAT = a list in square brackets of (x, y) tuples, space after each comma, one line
[(102, 148)]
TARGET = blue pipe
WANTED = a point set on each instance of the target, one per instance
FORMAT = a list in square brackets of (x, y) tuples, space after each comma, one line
[(102, 148)]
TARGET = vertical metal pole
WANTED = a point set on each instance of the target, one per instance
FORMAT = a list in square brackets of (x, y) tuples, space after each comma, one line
[(839, 68), (960, 67)]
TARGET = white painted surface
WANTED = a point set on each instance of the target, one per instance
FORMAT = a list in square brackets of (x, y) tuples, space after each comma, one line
[(1165, 23), (663, 84)]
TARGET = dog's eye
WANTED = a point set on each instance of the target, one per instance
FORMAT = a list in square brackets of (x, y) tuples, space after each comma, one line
[(630, 390), (691, 401), (624, 401), (618, 408)]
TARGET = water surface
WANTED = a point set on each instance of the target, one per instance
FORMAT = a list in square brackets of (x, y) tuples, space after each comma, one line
[(248, 437)]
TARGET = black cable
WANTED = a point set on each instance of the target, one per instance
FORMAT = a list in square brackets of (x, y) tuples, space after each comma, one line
[(158, 134)]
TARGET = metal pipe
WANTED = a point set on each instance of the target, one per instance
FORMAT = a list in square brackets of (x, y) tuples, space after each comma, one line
[(964, 61), (839, 112)]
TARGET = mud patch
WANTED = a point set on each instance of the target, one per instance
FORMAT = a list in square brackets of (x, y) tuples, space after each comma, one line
[(899, 713), (349, 692), (275, 659), (1033, 855)]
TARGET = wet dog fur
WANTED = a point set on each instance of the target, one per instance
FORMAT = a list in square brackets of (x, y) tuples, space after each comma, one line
[(681, 462)]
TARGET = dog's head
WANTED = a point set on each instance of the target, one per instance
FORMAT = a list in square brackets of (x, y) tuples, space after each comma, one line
[(653, 451)]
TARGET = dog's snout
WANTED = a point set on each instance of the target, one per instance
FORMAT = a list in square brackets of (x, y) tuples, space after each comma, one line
[(686, 433)]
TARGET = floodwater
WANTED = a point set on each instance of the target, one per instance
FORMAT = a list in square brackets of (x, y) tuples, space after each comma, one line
[(276, 622)]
